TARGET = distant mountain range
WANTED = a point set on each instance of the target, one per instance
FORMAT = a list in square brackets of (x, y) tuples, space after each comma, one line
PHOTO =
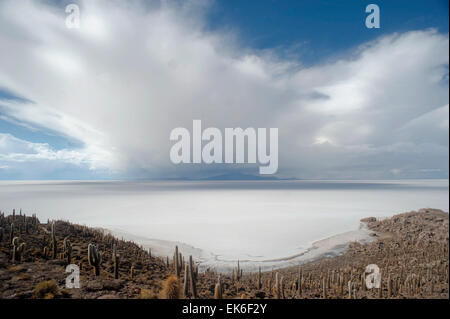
[(238, 176)]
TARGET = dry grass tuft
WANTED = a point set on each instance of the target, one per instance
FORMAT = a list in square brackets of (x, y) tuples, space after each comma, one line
[(147, 294), (16, 268), (21, 277), (171, 288)]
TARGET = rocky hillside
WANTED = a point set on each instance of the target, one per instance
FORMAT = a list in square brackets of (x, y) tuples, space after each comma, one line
[(411, 252)]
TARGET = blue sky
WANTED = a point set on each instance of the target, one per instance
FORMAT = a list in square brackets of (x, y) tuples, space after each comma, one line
[(321, 28), (30, 133), (49, 130)]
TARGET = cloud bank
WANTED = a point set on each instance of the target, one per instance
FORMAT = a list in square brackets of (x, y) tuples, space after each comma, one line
[(134, 71)]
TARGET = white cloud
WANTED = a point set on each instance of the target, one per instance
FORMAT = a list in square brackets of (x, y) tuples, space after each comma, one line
[(132, 73), (13, 150)]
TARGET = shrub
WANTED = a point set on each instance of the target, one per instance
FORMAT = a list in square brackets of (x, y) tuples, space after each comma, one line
[(46, 289), (171, 288)]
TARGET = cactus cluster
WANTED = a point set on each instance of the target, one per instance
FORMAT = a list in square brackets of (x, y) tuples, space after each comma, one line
[(237, 272)]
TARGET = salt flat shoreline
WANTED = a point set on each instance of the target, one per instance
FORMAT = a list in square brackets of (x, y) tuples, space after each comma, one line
[(333, 245)]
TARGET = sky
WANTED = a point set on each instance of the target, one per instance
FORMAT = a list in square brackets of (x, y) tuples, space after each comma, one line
[(100, 101)]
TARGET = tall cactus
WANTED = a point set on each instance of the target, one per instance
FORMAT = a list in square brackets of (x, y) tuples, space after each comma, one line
[(116, 261), (277, 286), (380, 290), (132, 272), (180, 260), (17, 250), (176, 263), (186, 281), (218, 289), (94, 258), (363, 282), (67, 250), (389, 286), (238, 271), (46, 251), (54, 241), (11, 233), (258, 279), (299, 282), (192, 278)]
